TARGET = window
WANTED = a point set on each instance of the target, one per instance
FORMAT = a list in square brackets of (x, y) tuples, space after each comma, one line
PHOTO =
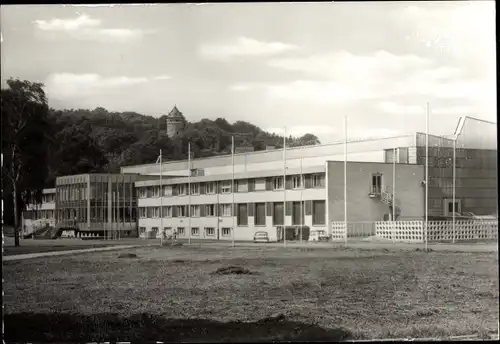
[(156, 212), (297, 210), (226, 210), (210, 187), (448, 207), (297, 182), (260, 184), (195, 211), (226, 232), (260, 214), (181, 211), (180, 230), (154, 230), (318, 213), (167, 190), (210, 210), (278, 214), (195, 231), (278, 183), (156, 191), (242, 216), (317, 180), (195, 189), (142, 230), (376, 184), (167, 211), (226, 186), (182, 189), (209, 231), (143, 213), (242, 185)]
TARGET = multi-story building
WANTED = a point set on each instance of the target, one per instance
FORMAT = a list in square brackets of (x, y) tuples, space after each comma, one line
[(40, 215), (198, 200)]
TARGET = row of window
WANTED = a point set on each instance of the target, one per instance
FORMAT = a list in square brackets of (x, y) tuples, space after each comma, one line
[(195, 231), (240, 185), (259, 211), (38, 214)]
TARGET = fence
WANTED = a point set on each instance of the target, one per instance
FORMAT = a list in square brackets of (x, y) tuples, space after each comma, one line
[(414, 231)]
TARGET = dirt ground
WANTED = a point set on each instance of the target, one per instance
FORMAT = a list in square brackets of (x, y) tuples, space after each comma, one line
[(172, 294)]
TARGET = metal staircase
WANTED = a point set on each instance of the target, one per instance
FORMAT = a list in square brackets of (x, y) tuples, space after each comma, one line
[(385, 197)]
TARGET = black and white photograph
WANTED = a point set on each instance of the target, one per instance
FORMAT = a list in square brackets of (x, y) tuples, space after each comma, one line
[(249, 172)]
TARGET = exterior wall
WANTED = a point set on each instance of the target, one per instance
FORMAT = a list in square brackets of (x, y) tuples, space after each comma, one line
[(476, 169), (39, 215), (372, 150), (360, 207), (219, 222), (175, 126)]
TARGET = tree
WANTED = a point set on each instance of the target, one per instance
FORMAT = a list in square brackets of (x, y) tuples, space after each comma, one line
[(24, 144)]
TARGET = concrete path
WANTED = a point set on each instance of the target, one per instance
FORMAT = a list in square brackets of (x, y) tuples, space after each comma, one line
[(68, 252)]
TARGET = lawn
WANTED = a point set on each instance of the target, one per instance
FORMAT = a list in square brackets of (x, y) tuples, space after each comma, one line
[(291, 294)]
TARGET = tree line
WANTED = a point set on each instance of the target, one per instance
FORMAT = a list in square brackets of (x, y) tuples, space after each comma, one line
[(40, 143)]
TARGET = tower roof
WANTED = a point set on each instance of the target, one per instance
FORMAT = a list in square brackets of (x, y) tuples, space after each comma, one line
[(175, 112)]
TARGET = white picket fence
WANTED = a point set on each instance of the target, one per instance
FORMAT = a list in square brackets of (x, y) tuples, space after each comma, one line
[(414, 231)]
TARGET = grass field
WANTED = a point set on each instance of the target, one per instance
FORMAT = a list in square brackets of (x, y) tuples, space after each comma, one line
[(291, 294)]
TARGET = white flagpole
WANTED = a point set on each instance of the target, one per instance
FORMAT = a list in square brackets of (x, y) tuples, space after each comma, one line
[(161, 201), (394, 186), (232, 189), (284, 189), (189, 190), (426, 175), (301, 190), (345, 179), (454, 172)]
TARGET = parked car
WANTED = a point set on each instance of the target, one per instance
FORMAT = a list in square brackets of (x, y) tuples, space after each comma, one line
[(260, 237), (318, 235)]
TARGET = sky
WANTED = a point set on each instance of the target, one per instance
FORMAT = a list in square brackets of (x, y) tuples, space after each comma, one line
[(303, 66)]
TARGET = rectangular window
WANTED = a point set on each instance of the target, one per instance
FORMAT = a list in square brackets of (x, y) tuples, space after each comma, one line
[(317, 180), (242, 185), (195, 231), (297, 210), (181, 211), (195, 211), (156, 191), (154, 230), (156, 212), (318, 213), (260, 184), (278, 213), (210, 187), (143, 213), (260, 214), (278, 183), (448, 208), (195, 188), (167, 190), (242, 217), (209, 231), (226, 186), (180, 231), (376, 183), (142, 230), (226, 231), (226, 210), (210, 210), (297, 182), (167, 211), (182, 189)]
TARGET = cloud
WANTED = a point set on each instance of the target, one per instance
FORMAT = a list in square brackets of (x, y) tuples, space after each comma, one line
[(86, 28), (163, 77), (390, 107), (244, 47), (67, 85)]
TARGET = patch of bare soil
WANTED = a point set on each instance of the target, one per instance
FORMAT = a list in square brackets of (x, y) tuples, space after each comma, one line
[(233, 270)]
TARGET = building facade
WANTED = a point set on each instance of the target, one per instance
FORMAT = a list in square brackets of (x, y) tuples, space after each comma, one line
[(175, 122)]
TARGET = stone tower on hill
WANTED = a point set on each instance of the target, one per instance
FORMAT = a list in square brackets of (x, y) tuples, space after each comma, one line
[(175, 122)]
